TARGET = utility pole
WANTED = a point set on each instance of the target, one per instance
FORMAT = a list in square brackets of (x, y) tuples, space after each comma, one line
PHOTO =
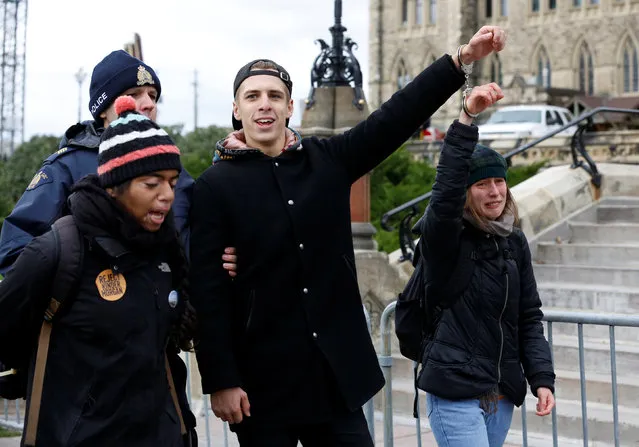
[(195, 98), (80, 76)]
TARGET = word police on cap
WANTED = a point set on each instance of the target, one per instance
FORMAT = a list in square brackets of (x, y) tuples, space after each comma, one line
[(98, 102)]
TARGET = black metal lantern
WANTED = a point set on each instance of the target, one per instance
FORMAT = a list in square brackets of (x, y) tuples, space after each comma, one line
[(336, 65)]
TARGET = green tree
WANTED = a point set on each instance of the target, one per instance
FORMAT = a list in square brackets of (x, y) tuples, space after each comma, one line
[(197, 147), (18, 170), (394, 182)]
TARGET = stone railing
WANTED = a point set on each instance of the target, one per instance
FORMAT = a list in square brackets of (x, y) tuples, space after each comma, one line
[(611, 146)]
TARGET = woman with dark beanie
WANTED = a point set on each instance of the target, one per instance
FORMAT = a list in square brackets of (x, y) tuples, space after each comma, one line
[(106, 380), (488, 339)]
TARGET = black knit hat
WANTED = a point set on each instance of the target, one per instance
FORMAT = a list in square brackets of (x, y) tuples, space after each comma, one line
[(486, 163), (115, 74), (246, 72), (133, 145)]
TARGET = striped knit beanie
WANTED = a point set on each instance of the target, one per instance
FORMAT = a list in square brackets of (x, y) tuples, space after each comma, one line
[(486, 163), (133, 145)]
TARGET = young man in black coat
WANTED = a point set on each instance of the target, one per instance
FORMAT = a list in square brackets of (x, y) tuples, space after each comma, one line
[(285, 352)]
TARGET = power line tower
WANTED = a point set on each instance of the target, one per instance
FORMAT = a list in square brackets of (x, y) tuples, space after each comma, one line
[(12, 77)]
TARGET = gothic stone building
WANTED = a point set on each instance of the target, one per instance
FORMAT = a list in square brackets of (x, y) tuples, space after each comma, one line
[(578, 53)]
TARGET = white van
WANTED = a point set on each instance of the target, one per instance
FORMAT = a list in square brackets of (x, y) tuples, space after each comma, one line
[(529, 121)]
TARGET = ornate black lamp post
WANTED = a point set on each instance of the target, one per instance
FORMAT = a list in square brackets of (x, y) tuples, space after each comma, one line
[(336, 65)]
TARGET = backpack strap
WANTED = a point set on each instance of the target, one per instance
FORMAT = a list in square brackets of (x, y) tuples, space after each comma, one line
[(69, 261), (174, 397)]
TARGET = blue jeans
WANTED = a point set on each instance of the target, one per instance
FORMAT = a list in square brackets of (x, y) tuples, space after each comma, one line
[(462, 423)]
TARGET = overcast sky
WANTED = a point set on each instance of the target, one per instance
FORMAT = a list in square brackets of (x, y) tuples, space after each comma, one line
[(216, 37)]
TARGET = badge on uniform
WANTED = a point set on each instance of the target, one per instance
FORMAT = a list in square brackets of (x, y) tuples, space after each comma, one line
[(39, 179)]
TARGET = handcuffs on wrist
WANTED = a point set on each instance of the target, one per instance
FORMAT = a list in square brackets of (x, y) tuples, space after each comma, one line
[(467, 69)]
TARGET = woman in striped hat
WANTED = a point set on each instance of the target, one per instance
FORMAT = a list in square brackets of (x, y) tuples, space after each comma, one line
[(106, 380)]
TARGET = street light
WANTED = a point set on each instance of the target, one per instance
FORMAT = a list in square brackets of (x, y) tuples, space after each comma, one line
[(80, 76)]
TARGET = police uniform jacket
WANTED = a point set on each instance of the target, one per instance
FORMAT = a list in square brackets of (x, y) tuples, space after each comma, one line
[(290, 330), (105, 381), (44, 200)]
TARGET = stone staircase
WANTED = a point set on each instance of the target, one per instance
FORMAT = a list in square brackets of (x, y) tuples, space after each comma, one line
[(589, 262)]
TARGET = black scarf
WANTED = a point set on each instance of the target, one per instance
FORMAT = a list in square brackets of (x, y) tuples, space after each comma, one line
[(97, 214)]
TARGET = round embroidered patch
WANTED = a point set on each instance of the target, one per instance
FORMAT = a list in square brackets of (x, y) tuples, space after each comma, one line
[(111, 286)]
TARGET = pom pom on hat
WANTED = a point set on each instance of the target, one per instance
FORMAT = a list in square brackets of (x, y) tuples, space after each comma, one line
[(124, 104), (133, 145)]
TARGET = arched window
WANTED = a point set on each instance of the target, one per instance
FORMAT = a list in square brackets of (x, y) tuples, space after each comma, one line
[(496, 74), (544, 73), (403, 77), (404, 12), (586, 70), (630, 67), (419, 12)]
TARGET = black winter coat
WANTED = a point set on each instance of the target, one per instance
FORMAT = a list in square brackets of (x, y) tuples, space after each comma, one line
[(494, 328), (105, 382), (290, 330)]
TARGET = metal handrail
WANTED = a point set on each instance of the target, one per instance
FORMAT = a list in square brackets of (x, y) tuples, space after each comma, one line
[(578, 148)]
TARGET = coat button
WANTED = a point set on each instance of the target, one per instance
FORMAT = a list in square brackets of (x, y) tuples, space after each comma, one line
[(315, 335), (277, 164), (301, 246), (290, 202), (305, 290)]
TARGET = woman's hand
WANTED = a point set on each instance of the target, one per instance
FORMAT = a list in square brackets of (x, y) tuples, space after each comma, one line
[(479, 99), (484, 42), (545, 401)]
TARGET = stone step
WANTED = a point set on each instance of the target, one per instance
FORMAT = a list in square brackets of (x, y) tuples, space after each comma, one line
[(598, 387), (587, 274), (589, 297), (624, 255), (596, 355), (613, 233), (617, 213), (569, 421), (569, 425), (593, 330)]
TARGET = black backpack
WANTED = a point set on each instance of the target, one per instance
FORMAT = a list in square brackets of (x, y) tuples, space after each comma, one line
[(13, 382)]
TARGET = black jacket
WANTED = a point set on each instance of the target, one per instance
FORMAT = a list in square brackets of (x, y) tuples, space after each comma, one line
[(494, 328), (105, 382), (291, 329)]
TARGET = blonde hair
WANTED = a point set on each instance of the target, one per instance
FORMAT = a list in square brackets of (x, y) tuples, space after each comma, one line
[(510, 208)]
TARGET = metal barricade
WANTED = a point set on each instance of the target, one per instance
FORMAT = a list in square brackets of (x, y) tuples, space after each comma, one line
[(550, 317), (12, 416)]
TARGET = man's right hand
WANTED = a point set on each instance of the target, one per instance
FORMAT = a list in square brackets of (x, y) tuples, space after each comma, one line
[(231, 405)]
